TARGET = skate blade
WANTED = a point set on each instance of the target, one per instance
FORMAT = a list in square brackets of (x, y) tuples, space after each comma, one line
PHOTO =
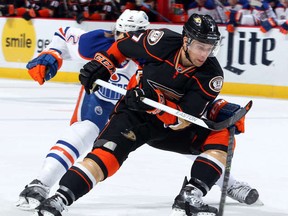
[(178, 212), (258, 203), (204, 214), (27, 204), (43, 213)]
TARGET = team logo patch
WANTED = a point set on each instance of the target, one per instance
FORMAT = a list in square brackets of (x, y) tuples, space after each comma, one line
[(154, 36), (197, 20), (98, 110), (216, 83), (130, 135)]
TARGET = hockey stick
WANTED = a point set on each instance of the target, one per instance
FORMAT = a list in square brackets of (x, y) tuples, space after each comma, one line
[(211, 125), (227, 170)]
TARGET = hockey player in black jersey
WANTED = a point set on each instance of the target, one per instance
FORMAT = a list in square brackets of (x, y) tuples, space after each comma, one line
[(180, 71)]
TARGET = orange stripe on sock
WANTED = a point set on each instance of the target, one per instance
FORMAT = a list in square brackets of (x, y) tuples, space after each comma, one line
[(71, 159)]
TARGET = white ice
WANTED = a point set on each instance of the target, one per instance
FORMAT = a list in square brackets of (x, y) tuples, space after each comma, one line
[(32, 117)]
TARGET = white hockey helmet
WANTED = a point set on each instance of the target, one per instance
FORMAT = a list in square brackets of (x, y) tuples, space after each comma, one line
[(132, 20)]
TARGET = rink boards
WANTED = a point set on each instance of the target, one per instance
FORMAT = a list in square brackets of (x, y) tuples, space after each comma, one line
[(254, 63)]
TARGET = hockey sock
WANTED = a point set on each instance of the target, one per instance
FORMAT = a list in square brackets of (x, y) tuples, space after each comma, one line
[(230, 182), (207, 169), (77, 140), (76, 182)]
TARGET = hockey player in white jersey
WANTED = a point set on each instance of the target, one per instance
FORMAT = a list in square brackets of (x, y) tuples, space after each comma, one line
[(92, 111)]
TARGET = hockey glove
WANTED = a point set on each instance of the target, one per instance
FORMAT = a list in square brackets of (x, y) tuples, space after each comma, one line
[(133, 99), (220, 110), (100, 68), (267, 25), (284, 28), (45, 66)]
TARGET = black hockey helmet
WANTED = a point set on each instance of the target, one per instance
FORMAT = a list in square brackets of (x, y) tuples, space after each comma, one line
[(202, 28)]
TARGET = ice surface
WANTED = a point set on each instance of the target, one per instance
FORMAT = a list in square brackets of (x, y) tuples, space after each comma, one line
[(33, 117)]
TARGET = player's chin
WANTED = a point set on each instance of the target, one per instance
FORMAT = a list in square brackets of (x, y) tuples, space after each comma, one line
[(198, 63)]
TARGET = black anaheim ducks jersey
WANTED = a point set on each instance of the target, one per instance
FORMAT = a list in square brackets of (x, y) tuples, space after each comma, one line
[(159, 49)]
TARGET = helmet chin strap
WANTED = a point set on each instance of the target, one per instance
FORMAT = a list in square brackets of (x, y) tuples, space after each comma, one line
[(187, 54)]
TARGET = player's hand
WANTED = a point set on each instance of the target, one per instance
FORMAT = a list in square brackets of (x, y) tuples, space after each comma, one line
[(45, 66), (267, 25), (133, 99), (221, 110), (100, 68), (284, 28)]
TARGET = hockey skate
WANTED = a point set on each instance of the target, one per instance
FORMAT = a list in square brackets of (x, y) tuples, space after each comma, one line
[(243, 193), (52, 206), (32, 196), (189, 203)]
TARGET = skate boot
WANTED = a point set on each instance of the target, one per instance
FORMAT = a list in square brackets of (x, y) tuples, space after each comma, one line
[(189, 203), (243, 193), (33, 194), (52, 206)]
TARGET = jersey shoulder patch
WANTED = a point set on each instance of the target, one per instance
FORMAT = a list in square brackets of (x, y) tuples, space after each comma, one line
[(216, 83), (154, 36)]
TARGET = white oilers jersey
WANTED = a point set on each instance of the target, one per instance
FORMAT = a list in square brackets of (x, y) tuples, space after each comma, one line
[(281, 13), (66, 40), (120, 78), (209, 8), (77, 45)]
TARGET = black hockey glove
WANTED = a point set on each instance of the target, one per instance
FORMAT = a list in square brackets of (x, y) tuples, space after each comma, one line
[(133, 99), (100, 68)]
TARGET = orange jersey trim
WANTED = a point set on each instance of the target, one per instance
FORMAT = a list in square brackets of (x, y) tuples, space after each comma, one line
[(218, 138), (79, 100), (203, 90), (168, 118), (113, 50)]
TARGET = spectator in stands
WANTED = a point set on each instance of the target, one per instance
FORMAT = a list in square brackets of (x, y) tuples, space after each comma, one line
[(127, 4), (261, 15), (234, 10), (281, 12), (204, 7), (12, 7), (30, 9), (111, 10)]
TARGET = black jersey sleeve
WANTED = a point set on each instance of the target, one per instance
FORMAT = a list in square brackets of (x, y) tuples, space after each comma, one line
[(150, 45)]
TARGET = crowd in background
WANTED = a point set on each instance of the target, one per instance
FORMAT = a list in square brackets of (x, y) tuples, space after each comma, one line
[(79, 10), (263, 13)]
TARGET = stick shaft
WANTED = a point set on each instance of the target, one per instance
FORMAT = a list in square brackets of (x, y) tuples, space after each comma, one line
[(227, 171), (157, 105)]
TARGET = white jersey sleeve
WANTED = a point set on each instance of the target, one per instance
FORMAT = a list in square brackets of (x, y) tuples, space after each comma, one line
[(66, 40)]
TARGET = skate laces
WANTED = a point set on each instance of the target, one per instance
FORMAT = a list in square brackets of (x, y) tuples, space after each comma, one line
[(37, 183), (55, 202), (239, 191), (193, 195), (36, 189)]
